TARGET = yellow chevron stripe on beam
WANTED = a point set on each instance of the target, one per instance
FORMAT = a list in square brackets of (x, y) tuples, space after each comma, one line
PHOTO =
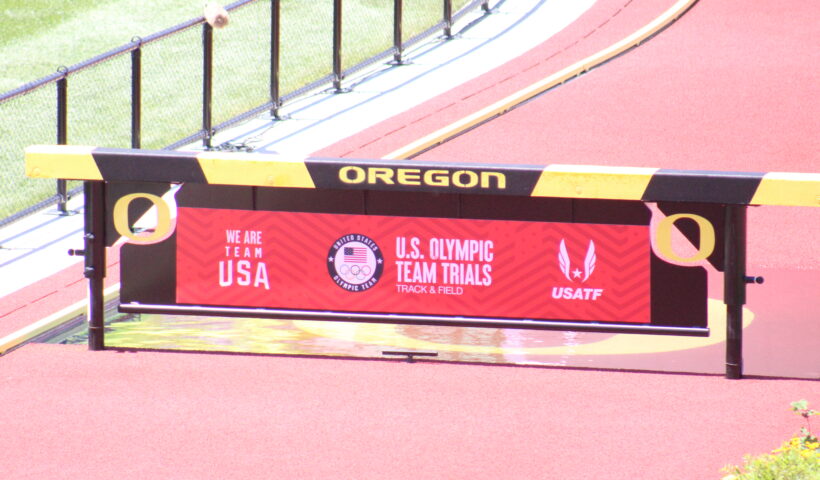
[(582, 181), (502, 106), (61, 161), (254, 169), (788, 189)]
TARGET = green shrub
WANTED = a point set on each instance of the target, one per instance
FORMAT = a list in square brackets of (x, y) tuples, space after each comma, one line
[(796, 459)]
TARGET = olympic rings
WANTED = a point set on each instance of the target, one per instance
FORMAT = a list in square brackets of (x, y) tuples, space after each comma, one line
[(355, 272)]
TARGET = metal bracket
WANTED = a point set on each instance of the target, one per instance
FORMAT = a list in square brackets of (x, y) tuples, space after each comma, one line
[(410, 355)]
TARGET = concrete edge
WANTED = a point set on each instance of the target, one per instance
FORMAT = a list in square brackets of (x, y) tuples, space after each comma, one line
[(25, 334)]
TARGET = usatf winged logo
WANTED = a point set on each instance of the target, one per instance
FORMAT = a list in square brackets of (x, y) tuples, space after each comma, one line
[(566, 267)]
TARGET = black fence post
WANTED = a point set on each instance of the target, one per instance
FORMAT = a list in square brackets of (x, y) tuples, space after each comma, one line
[(275, 34), (94, 196), (397, 41), (448, 18), (734, 286), (337, 45), (207, 81), (62, 135), (485, 5), (136, 93)]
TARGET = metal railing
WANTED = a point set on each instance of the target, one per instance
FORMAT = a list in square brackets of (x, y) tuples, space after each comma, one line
[(186, 83)]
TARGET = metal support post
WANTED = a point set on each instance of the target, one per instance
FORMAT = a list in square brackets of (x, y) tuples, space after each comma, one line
[(397, 40), (62, 136), (337, 45), (734, 287), (448, 19), (94, 196), (136, 93), (275, 33), (207, 81)]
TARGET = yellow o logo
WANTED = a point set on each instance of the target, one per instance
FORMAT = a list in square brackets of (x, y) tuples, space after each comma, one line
[(357, 177), (663, 238), (162, 229)]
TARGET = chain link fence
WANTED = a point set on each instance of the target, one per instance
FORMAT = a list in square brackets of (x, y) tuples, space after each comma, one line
[(300, 41), (367, 17), (99, 104), (242, 56), (172, 81), (25, 119), (182, 85)]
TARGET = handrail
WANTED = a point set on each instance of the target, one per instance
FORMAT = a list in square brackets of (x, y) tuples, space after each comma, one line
[(26, 88)]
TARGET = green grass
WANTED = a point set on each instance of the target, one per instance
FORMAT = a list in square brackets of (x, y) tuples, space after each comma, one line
[(38, 36)]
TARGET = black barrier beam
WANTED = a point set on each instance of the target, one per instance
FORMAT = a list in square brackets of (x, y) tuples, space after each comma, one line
[(734, 287), (94, 196)]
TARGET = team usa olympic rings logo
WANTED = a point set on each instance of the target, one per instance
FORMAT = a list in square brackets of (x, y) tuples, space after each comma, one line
[(355, 272), (355, 262)]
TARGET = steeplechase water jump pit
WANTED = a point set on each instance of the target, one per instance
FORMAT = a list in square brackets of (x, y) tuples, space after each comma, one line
[(365, 340), (553, 265)]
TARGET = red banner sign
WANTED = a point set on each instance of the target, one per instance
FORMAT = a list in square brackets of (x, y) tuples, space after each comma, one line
[(412, 265)]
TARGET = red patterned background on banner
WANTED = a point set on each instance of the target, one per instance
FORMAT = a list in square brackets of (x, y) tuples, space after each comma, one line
[(412, 265)]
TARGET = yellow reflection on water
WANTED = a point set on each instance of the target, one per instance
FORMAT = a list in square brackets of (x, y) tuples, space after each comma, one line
[(303, 337)]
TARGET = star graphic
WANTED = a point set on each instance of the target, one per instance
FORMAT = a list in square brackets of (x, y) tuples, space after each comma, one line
[(330, 259), (576, 273), (379, 260)]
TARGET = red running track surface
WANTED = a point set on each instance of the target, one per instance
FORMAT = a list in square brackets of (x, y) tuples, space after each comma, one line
[(66, 413)]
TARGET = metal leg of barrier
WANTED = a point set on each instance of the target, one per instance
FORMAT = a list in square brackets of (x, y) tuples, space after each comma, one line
[(94, 192), (734, 287)]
